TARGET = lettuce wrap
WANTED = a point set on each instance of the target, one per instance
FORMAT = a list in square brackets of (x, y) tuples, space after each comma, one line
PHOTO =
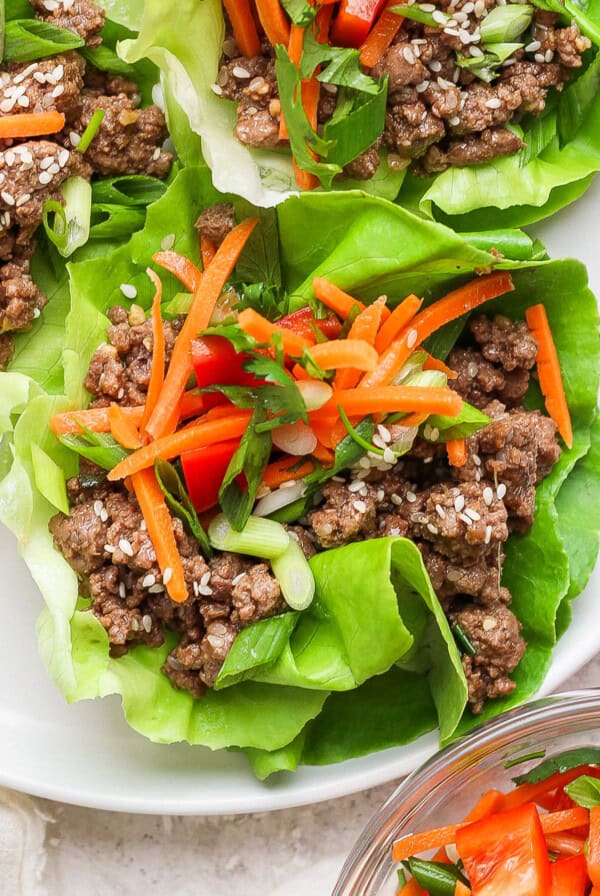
[(375, 643), (560, 157)]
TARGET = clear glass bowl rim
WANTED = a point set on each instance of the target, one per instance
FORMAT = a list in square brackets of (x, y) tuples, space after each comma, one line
[(539, 716)]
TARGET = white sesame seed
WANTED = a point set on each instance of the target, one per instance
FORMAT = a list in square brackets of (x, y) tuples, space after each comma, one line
[(143, 525), (454, 121), (167, 575), (475, 51), (365, 463), (533, 47), (195, 589), (384, 432), (472, 369), (128, 290), (378, 441), (54, 168), (58, 91), (396, 499), (63, 157), (408, 55), (435, 65), (26, 158), (74, 138), (434, 434), (51, 5), (444, 83), (23, 101), (23, 199), (355, 486), (488, 495), (125, 546), (411, 497), (439, 17), (98, 507), (238, 72), (156, 589), (493, 103), (109, 548), (440, 511), (539, 57), (9, 157), (459, 503), (36, 314), (422, 87), (326, 529), (416, 50), (205, 590), (501, 491), (452, 32), (40, 77), (388, 455), (488, 534), (427, 7), (122, 590), (473, 514), (167, 242), (7, 105), (148, 580), (7, 198), (147, 623), (454, 575), (411, 338), (58, 72), (431, 528), (476, 460), (360, 506), (466, 519), (548, 55), (44, 177), (237, 578), (489, 623), (205, 579)]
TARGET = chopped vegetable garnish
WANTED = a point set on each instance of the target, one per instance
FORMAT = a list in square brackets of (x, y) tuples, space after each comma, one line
[(244, 27), (30, 124), (549, 374), (258, 538)]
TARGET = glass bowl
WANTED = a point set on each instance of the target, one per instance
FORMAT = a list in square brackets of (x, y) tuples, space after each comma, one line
[(447, 786)]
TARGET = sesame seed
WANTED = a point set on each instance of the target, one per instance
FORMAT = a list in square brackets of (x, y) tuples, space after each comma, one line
[(46, 162), (435, 65), (122, 590), (128, 290), (156, 589), (454, 575), (388, 455), (440, 511), (378, 441), (7, 198), (444, 84), (475, 51), (422, 87), (74, 138), (416, 50), (205, 590), (459, 503), (355, 486), (58, 72), (125, 546), (195, 589), (360, 506), (394, 530), (466, 519), (167, 575), (476, 460), (54, 168), (411, 497), (51, 5), (143, 526), (58, 91), (147, 623), (396, 499), (488, 534), (411, 338), (464, 36), (408, 55), (434, 434), (473, 514), (23, 199), (493, 103), (384, 432), (488, 495), (239, 72), (431, 528), (549, 55), (452, 32), (427, 7), (109, 548), (454, 121), (148, 580), (326, 529), (23, 101), (98, 507), (533, 47), (36, 313), (539, 57), (40, 77), (63, 157), (489, 623), (439, 17), (472, 369), (7, 105), (205, 579), (365, 463), (156, 153), (9, 157), (237, 578), (501, 491), (167, 242), (380, 494)]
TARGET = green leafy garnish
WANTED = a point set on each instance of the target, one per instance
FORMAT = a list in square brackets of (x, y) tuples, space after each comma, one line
[(585, 791), (250, 459), (259, 261), (99, 447), (178, 502), (300, 12), (561, 763), (29, 39), (340, 66), (518, 760), (437, 878), (463, 640), (443, 429), (487, 66)]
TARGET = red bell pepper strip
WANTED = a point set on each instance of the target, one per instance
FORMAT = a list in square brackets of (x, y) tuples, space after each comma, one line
[(204, 470), (506, 853), (569, 877), (216, 362), (354, 20), (304, 322)]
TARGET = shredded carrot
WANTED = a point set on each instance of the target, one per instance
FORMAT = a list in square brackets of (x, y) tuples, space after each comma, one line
[(208, 250), (329, 431), (31, 124), (205, 298), (457, 452), (296, 44), (454, 305), (274, 21), (300, 373), (398, 319), (198, 436), (461, 890), (181, 267), (285, 469), (157, 373), (412, 888), (96, 419), (191, 405), (263, 330), (380, 37), (530, 793), (566, 820), (160, 529), (244, 27), (364, 327), (323, 22), (311, 91), (323, 454), (548, 368), (354, 353), (413, 419), (335, 298), (123, 430), (392, 399), (488, 804), (432, 363)]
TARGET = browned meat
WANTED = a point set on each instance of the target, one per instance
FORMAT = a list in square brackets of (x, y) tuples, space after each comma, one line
[(570, 44), (401, 65), (31, 173), (304, 539), (81, 16), (529, 81), (344, 516), (364, 166), (129, 139), (120, 368), (477, 380), (244, 77), (216, 221), (505, 342), (20, 298), (495, 633), (255, 595), (410, 129), (481, 579), (7, 347), (485, 106), (257, 126), (81, 537), (108, 84), (48, 84), (476, 149)]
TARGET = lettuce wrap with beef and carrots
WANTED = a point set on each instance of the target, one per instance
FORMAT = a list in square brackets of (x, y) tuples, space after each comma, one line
[(535, 158), (375, 643)]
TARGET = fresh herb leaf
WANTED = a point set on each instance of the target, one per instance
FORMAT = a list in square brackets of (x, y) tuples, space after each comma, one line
[(486, 67), (337, 65), (437, 878), (300, 12), (128, 189), (178, 502), (357, 122), (469, 420), (585, 791), (269, 301), (561, 763), (259, 261), (311, 366), (29, 39), (241, 341), (17, 9), (250, 458), (99, 447)]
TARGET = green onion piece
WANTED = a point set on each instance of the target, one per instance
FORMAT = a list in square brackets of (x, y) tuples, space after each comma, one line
[(70, 228), (356, 437), (518, 760), (29, 39), (505, 23), (413, 365), (429, 379), (294, 574), (463, 640), (2, 28), (91, 130), (49, 478), (259, 537), (425, 17)]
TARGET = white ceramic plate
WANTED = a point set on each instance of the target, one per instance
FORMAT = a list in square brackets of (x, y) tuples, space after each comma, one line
[(87, 755)]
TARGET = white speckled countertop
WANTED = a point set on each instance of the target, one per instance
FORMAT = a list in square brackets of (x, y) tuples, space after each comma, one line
[(287, 853)]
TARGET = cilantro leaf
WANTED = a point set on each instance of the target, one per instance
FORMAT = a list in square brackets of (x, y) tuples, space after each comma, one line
[(339, 65), (241, 341), (250, 459), (585, 791), (300, 12)]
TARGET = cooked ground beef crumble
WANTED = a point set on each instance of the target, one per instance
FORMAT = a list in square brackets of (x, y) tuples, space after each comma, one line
[(439, 113), (129, 141), (460, 518)]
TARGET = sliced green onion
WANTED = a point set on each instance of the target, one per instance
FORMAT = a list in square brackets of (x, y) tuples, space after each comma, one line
[(70, 227), (91, 130), (29, 39), (413, 365), (518, 760), (49, 478), (463, 640), (505, 24), (417, 14), (259, 537), (429, 379), (294, 574), (2, 29)]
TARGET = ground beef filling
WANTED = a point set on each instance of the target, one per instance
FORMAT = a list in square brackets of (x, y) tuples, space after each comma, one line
[(129, 141), (439, 114)]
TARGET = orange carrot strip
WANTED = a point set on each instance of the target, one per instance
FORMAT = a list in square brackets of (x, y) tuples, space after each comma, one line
[(393, 399), (432, 363), (550, 377), (329, 431), (157, 373), (285, 469), (197, 436), (413, 419), (454, 305), (274, 21), (323, 22), (263, 330), (335, 298), (412, 888), (398, 319), (300, 373), (529, 793), (365, 327), (323, 454), (244, 27), (160, 529), (554, 822), (380, 37), (296, 44), (123, 430), (205, 298), (191, 404), (461, 890), (457, 452), (96, 419), (354, 353), (31, 124), (181, 267), (488, 804), (208, 250)]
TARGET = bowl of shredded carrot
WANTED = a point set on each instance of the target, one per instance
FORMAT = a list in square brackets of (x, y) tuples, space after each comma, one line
[(512, 808)]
